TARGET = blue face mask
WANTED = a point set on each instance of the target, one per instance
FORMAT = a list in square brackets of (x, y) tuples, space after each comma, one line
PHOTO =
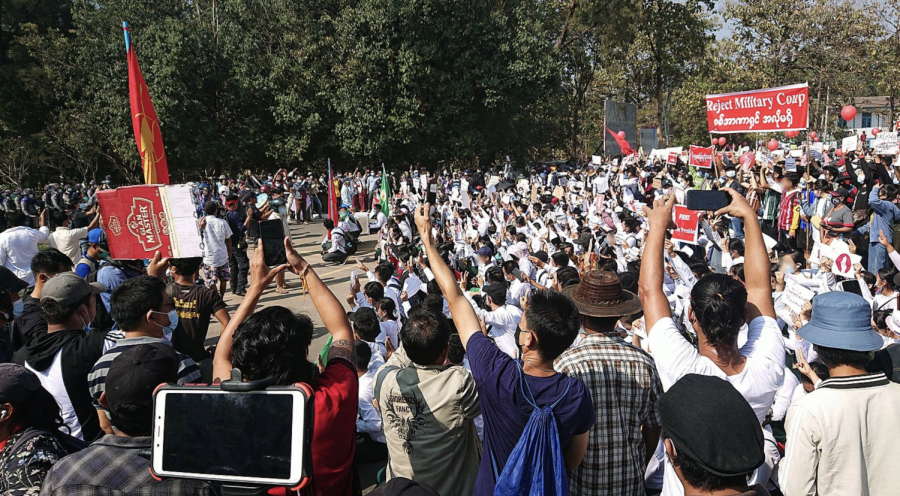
[(86, 325), (173, 323), (18, 308)]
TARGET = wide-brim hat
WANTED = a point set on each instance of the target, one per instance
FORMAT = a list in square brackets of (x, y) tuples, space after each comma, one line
[(843, 321), (600, 294), (893, 322)]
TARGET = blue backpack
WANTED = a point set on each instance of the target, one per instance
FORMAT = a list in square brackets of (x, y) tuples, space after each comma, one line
[(536, 466)]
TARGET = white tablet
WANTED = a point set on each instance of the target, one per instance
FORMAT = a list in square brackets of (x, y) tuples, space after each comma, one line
[(253, 437)]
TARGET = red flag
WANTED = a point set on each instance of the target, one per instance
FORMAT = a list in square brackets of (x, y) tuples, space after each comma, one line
[(622, 142), (333, 196), (143, 117)]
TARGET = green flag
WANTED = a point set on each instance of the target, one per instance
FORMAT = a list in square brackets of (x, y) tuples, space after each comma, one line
[(385, 193)]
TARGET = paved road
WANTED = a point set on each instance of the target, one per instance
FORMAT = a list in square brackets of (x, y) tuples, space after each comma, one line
[(307, 241)]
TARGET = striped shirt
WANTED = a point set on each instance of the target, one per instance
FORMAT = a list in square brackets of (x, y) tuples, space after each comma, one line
[(188, 371), (789, 203)]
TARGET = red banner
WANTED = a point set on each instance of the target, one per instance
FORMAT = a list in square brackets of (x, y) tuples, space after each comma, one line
[(701, 157), (771, 110), (687, 223)]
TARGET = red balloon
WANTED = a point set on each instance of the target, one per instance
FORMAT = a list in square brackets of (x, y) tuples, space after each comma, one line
[(773, 145), (622, 134), (839, 152), (848, 113), (876, 131), (816, 139), (722, 141), (748, 159), (813, 135)]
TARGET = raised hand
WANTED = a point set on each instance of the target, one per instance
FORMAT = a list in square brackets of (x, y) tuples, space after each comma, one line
[(158, 266), (261, 276)]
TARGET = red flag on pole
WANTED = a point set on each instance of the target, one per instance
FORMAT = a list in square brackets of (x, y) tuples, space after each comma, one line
[(622, 142), (143, 117), (332, 196)]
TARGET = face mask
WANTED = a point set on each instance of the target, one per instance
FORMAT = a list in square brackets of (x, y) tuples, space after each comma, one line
[(86, 327), (841, 168), (787, 269), (173, 323), (730, 173), (623, 330), (861, 178), (18, 307)]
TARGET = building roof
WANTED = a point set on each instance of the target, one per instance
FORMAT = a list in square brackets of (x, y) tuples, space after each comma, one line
[(872, 102)]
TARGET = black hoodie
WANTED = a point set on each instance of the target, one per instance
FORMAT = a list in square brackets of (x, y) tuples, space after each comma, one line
[(69, 355)]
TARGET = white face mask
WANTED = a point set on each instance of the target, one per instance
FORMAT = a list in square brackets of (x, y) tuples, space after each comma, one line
[(730, 173)]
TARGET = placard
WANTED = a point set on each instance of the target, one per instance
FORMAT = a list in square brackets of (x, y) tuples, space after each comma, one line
[(686, 223), (770, 110), (701, 157), (790, 164), (886, 144), (141, 220), (672, 159), (795, 295), (843, 259), (850, 144), (596, 159)]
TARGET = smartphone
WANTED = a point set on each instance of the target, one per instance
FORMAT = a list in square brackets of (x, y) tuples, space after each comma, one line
[(432, 193), (517, 274), (271, 232), (851, 286), (257, 437), (706, 200)]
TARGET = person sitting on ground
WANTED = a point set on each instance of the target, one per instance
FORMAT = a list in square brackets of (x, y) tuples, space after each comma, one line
[(275, 342), (118, 464), (30, 437), (146, 314), (549, 326), (718, 458), (337, 252), (63, 357)]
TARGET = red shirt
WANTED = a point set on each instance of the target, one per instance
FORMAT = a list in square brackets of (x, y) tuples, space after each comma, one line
[(335, 398)]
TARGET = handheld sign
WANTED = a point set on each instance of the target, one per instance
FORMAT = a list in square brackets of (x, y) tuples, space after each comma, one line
[(672, 159), (141, 220), (687, 223), (701, 157)]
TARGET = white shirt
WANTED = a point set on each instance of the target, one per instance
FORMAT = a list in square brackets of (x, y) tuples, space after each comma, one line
[(368, 418), (66, 240), (338, 241), (791, 390), (215, 253), (503, 322), (517, 290), (758, 382), (18, 246)]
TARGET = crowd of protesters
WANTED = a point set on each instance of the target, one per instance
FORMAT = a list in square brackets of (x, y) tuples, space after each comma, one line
[(511, 331)]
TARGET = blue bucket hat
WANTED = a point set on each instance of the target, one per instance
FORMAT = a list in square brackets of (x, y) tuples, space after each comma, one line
[(841, 320)]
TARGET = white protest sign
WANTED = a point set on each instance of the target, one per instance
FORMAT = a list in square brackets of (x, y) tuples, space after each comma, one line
[(596, 159), (886, 144), (820, 250), (769, 241), (843, 259), (790, 164), (796, 295), (850, 144)]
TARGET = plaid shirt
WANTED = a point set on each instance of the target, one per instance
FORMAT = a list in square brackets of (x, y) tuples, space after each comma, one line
[(625, 388), (113, 465)]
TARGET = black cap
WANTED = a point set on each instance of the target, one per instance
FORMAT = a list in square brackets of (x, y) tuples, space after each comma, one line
[(17, 384), (497, 292), (541, 255), (132, 378), (362, 312), (401, 486), (708, 420), (10, 283)]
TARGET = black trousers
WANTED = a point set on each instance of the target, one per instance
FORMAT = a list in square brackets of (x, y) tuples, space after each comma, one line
[(239, 267), (334, 256)]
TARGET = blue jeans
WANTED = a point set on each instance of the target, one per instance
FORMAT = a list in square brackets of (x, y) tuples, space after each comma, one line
[(877, 257), (737, 225)]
